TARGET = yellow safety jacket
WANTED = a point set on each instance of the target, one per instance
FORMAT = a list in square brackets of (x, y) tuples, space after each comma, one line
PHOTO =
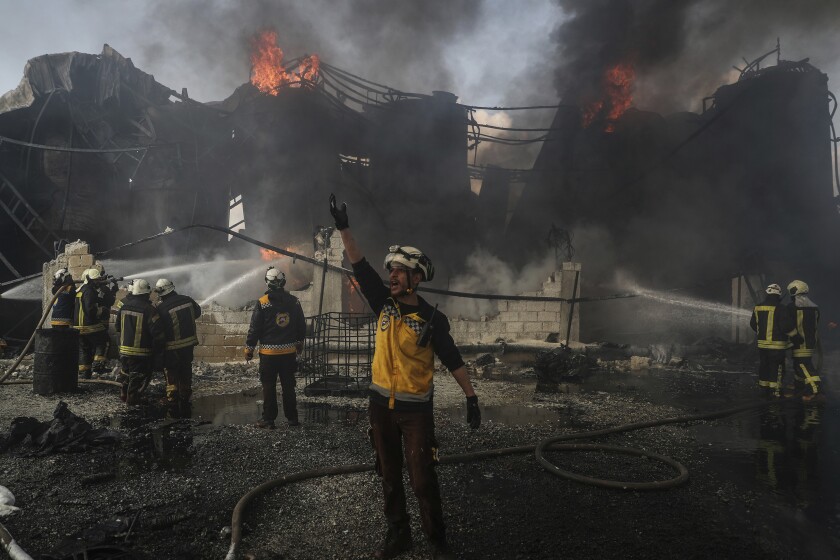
[(402, 370)]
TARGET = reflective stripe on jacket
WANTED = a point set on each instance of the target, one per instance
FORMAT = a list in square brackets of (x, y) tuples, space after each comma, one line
[(807, 318), (277, 324), (772, 322), (178, 314), (402, 370), (139, 327), (86, 311)]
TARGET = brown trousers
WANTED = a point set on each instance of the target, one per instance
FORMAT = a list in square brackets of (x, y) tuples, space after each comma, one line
[(390, 432)]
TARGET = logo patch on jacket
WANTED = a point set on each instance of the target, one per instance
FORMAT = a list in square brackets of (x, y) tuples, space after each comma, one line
[(385, 323), (282, 320)]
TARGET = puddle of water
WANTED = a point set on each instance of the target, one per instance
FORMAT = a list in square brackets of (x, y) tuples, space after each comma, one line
[(242, 409)]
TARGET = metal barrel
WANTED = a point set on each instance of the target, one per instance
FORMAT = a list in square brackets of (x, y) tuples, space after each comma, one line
[(56, 366)]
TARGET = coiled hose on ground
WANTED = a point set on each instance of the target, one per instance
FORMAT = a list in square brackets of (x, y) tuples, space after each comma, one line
[(549, 444)]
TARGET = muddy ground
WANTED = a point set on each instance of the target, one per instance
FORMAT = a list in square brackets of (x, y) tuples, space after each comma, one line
[(175, 482)]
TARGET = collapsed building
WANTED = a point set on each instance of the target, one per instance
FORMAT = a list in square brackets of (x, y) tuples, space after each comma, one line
[(742, 191)]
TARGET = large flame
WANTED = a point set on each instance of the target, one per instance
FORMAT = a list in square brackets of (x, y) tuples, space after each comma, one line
[(616, 96), (267, 71), (269, 255)]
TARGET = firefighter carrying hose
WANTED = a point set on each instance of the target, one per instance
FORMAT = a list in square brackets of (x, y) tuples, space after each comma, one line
[(62, 311), (804, 337), (141, 340), (772, 322), (87, 313), (177, 315), (409, 334)]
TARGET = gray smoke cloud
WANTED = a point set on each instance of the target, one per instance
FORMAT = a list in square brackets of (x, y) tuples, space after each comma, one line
[(401, 44), (682, 50)]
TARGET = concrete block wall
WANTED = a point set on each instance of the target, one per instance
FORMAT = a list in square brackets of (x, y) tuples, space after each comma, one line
[(528, 320)]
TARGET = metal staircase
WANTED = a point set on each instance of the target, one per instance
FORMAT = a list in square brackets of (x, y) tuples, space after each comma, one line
[(27, 219)]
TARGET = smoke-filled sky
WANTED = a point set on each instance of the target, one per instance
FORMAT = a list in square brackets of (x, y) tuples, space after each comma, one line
[(489, 52)]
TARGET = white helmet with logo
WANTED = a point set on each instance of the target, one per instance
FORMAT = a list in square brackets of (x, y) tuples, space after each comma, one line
[(774, 290), (411, 258), (164, 286), (60, 273), (274, 279), (140, 287)]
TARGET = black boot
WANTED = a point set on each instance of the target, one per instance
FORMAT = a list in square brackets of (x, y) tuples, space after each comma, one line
[(397, 540)]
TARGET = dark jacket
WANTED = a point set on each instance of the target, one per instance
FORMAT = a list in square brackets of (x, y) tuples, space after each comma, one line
[(277, 324), (806, 316), (87, 310), (772, 322), (177, 315), (62, 311), (139, 327)]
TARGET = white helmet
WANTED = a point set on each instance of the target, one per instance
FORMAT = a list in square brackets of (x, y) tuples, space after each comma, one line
[(91, 274), (774, 289), (412, 259), (59, 274), (140, 287), (274, 279), (164, 286), (797, 287)]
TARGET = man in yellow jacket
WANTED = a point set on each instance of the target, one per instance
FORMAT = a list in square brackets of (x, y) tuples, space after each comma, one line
[(409, 334)]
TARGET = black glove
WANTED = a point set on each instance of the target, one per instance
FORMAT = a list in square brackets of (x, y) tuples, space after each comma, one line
[(797, 339), (473, 412), (339, 214)]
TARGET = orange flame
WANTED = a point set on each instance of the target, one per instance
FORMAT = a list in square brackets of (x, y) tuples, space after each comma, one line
[(616, 98), (269, 255), (267, 71)]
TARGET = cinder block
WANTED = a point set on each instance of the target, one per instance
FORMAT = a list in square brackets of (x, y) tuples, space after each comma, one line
[(514, 327), (202, 351), (75, 261), (76, 248), (535, 306), (546, 316)]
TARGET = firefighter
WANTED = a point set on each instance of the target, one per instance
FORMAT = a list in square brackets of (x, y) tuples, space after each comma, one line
[(62, 311), (87, 311), (141, 341), (279, 326), (106, 289), (177, 314), (804, 337), (772, 322), (410, 333)]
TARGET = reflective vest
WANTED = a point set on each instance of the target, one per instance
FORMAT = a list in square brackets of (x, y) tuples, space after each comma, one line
[(178, 314), (277, 324), (402, 370)]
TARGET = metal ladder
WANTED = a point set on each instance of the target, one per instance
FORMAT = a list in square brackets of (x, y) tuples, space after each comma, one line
[(27, 219)]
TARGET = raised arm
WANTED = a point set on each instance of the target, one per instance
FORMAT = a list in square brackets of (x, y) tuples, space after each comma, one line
[(342, 224)]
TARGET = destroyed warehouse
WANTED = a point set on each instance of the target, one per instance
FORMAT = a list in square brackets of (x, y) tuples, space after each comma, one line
[(95, 149)]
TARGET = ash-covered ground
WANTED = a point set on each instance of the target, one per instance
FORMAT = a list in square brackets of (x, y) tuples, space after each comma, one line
[(168, 487)]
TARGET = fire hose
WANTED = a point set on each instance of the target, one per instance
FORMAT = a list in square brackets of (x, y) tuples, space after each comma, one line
[(549, 444)]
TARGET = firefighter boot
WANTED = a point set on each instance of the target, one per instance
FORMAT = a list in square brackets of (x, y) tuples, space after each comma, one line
[(397, 540)]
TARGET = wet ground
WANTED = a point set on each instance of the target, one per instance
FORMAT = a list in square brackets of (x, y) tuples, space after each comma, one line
[(763, 484)]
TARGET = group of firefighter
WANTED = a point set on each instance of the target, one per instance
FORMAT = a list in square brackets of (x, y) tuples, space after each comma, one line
[(787, 327), (152, 337)]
